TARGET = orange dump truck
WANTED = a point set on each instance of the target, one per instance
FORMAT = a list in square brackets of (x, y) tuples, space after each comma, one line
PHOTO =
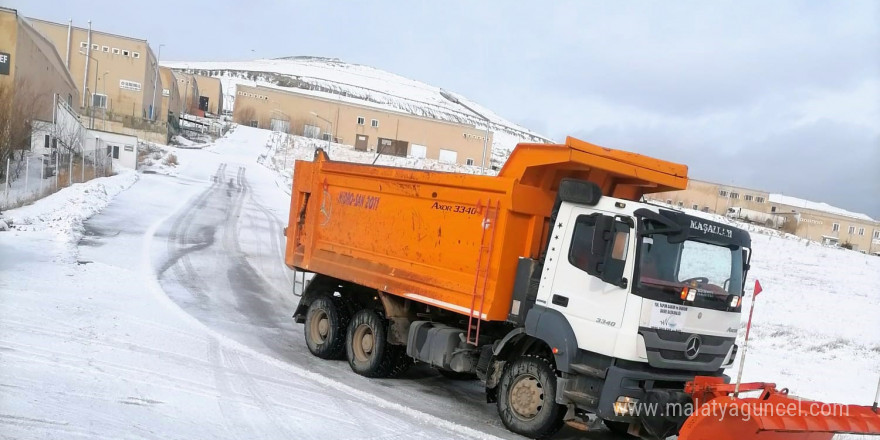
[(551, 283)]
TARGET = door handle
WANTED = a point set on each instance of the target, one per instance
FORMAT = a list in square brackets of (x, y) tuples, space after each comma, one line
[(560, 300)]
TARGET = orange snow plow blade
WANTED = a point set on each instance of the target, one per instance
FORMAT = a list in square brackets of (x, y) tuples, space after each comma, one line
[(771, 415)]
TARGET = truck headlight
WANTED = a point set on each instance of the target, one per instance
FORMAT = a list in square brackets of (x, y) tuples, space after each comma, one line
[(625, 406)]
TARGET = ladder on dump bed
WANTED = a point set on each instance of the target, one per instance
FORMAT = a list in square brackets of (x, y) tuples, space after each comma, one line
[(484, 260)]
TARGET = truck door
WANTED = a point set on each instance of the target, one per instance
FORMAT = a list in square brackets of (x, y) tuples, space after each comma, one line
[(593, 307)]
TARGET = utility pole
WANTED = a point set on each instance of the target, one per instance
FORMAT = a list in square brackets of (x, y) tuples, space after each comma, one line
[(155, 85), (455, 100)]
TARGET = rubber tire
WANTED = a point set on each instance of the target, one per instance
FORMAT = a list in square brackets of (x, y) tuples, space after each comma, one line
[(385, 360), (618, 428), (333, 346), (548, 421), (455, 375)]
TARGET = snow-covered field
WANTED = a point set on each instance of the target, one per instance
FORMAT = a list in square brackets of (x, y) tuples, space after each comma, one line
[(170, 317)]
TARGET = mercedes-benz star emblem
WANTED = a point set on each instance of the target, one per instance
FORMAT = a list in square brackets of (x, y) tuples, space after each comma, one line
[(692, 347)]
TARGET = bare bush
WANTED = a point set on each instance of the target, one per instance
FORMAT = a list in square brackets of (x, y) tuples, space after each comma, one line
[(171, 160), (19, 109)]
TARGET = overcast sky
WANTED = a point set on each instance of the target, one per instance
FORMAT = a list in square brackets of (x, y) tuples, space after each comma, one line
[(781, 96)]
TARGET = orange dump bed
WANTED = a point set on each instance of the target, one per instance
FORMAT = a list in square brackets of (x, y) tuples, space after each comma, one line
[(446, 238)]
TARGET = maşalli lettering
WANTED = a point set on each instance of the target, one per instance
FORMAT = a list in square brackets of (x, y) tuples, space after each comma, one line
[(707, 228)]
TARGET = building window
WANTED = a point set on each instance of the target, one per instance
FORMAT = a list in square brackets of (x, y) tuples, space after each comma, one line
[(83, 44), (125, 53), (835, 227), (759, 199), (129, 85), (361, 120), (861, 231), (852, 229), (113, 151), (469, 161), (722, 193), (374, 123), (668, 201), (94, 47), (772, 209), (99, 101), (695, 207), (681, 204), (748, 197), (705, 209), (876, 234), (105, 49), (136, 54), (734, 195), (115, 51)]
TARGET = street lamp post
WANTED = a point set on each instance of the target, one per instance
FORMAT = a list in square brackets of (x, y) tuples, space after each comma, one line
[(104, 109), (155, 84), (455, 100), (92, 104), (331, 129)]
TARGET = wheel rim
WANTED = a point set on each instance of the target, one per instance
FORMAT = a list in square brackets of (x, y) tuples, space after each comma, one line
[(363, 343), (526, 397), (319, 327)]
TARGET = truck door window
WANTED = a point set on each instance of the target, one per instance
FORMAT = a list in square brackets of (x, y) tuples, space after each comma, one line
[(595, 258), (580, 253)]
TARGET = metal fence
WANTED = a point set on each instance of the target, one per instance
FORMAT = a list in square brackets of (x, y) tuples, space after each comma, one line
[(35, 176)]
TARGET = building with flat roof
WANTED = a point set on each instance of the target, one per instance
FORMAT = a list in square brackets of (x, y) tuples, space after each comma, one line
[(354, 122), (115, 74), (815, 221)]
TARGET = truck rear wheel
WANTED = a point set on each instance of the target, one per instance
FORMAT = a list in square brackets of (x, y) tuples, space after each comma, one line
[(368, 350), (527, 398), (325, 328)]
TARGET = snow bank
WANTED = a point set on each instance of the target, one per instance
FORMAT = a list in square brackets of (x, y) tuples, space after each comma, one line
[(65, 211)]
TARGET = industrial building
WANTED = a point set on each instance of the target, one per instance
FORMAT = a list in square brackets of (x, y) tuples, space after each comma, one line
[(811, 220), (354, 122), (31, 70), (115, 73)]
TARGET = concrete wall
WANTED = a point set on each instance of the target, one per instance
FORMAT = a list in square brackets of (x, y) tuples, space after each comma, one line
[(213, 89), (262, 104), (124, 72), (36, 71)]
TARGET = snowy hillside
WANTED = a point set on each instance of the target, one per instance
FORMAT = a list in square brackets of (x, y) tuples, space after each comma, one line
[(364, 83)]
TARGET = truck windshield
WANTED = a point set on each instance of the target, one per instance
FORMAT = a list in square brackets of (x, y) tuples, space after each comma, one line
[(716, 272)]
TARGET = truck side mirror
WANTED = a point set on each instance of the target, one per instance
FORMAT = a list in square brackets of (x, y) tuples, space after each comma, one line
[(610, 249)]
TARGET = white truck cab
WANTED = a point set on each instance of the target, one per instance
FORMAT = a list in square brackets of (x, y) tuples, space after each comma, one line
[(646, 297)]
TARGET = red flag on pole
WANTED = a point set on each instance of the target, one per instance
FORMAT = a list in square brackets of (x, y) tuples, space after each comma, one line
[(758, 288)]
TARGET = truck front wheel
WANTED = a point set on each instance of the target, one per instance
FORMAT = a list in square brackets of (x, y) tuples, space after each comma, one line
[(368, 350), (325, 328), (527, 398)]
